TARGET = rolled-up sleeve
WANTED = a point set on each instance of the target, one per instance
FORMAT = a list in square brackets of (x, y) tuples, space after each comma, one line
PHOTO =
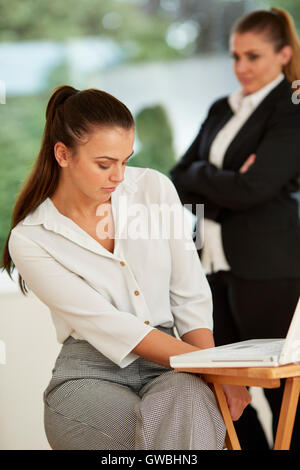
[(112, 332), (190, 294)]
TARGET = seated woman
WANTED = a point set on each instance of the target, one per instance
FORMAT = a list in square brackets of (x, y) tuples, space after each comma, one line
[(114, 295)]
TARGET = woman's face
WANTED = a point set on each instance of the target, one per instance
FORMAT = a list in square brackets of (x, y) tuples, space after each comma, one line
[(255, 61), (99, 162)]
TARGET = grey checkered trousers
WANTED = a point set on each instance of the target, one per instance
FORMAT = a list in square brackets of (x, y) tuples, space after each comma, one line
[(91, 403)]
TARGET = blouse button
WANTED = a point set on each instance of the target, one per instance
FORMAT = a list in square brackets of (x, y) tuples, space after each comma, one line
[(122, 263), (147, 322), (136, 292)]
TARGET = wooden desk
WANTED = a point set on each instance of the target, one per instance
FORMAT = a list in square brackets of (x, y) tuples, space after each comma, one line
[(266, 377)]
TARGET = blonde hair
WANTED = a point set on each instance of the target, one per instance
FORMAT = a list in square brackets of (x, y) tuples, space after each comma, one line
[(278, 26)]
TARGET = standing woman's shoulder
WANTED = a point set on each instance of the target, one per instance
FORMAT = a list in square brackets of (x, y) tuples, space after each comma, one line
[(218, 106)]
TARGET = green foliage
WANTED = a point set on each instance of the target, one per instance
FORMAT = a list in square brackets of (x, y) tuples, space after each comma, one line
[(125, 23), (22, 122), (155, 137)]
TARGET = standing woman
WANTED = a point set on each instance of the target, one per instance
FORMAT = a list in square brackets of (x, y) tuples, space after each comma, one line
[(244, 166), (114, 296)]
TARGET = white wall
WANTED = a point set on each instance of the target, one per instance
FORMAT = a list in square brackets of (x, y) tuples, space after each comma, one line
[(31, 349)]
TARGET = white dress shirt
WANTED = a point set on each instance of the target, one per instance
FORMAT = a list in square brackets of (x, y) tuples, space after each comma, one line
[(213, 257), (113, 300)]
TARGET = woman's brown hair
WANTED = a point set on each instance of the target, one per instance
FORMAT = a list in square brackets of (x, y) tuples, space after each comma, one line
[(70, 115), (279, 28)]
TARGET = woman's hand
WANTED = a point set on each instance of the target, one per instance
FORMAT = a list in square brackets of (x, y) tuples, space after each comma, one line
[(246, 165), (237, 398)]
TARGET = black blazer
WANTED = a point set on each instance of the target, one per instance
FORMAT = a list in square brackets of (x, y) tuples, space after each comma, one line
[(257, 210)]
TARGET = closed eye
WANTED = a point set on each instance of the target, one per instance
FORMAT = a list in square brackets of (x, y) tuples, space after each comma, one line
[(107, 167)]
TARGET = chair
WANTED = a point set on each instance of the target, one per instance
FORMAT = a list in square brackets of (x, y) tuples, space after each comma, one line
[(266, 377)]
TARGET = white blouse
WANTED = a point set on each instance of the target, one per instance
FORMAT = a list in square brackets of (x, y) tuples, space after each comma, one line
[(213, 257), (113, 300)]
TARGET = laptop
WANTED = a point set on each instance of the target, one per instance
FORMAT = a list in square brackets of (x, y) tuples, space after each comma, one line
[(251, 353)]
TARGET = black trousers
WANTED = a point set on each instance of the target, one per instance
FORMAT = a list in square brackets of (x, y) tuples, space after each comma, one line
[(249, 309)]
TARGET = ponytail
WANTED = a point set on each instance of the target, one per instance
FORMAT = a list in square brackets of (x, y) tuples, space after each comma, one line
[(292, 69), (59, 96)]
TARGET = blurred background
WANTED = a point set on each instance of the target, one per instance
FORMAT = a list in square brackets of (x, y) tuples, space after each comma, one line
[(167, 60)]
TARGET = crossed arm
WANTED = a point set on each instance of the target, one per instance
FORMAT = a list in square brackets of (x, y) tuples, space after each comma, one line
[(276, 166)]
